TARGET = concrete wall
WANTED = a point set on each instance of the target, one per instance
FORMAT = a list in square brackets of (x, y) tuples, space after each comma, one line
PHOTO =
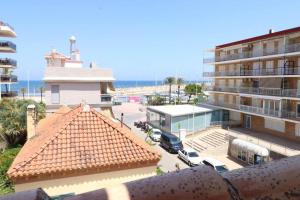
[(81, 184), (74, 93)]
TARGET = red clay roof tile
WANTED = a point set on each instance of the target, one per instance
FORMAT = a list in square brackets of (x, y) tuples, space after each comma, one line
[(79, 141)]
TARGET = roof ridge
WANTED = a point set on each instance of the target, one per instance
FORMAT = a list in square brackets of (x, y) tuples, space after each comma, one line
[(47, 143)]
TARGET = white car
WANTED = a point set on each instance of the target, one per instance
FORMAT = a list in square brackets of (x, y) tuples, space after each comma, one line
[(215, 164), (156, 134), (190, 156)]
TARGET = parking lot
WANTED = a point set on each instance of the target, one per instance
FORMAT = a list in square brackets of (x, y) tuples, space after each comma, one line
[(136, 112)]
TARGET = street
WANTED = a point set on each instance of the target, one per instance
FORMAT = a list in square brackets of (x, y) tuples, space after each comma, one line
[(135, 112)]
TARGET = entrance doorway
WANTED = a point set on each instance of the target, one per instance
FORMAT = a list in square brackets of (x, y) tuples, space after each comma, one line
[(247, 121)]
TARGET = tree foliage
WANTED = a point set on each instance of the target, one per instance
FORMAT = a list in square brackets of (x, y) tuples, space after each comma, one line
[(13, 119), (179, 82), (6, 158), (193, 89), (170, 81), (156, 101)]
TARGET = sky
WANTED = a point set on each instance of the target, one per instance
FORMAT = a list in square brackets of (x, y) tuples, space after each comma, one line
[(138, 39)]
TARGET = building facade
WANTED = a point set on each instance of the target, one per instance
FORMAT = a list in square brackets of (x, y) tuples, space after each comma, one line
[(258, 81), (173, 118), (67, 82), (7, 65)]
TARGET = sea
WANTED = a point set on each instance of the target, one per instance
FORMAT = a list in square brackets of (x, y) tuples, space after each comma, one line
[(34, 85)]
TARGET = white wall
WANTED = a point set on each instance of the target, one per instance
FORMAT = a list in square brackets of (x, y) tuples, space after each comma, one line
[(275, 125), (74, 93), (86, 183)]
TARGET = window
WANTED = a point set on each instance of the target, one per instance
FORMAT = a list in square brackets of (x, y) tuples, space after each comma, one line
[(243, 155), (298, 110), (55, 94)]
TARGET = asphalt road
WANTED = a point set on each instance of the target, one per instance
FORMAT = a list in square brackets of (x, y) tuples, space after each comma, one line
[(132, 114)]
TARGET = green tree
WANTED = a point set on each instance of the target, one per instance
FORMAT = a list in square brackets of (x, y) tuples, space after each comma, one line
[(23, 91), (179, 83), (193, 89), (41, 90), (13, 119), (170, 81), (156, 101)]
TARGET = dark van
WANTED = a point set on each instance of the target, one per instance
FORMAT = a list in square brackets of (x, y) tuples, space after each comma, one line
[(170, 142)]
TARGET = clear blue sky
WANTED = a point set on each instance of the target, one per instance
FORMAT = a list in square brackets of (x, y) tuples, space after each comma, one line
[(139, 39)]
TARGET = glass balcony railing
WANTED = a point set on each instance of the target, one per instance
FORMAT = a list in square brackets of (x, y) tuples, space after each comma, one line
[(8, 78), (9, 94), (106, 98), (252, 54), (8, 62), (7, 44), (257, 110), (258, 91), (256, 72)]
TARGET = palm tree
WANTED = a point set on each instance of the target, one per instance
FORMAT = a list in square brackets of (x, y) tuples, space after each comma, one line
[(41, 90), (23, 91), (170, 81), (179, 83)]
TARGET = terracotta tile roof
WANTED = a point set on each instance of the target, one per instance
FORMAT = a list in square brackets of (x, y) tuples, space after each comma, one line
[(261, 37), (75, 142)]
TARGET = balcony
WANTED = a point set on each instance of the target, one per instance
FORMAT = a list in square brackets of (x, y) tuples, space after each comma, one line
[(106, 99), (7, 63), (6, 30), (283, 114), (6, 46), (290, 48), (8, 78), (293, 93), (9, 94), (280, 71)]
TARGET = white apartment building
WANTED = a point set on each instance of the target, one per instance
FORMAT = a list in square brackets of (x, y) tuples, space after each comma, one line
[(258, 81), (67, 82)]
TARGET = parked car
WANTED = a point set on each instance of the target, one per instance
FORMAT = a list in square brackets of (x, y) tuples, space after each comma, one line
[(190, 156), (156, 134), (215, 164), (170, 142)]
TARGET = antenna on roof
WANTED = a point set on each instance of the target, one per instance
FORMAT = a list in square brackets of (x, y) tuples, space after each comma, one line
[(72, 44)]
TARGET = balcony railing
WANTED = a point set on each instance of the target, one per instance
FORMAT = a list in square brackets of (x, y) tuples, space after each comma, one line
[(106, 98), (9, 94), (257, 110), (279, 71), (8, 78), (6, 24), (8, 62), (7, 44), (252, 54), (258, 91)]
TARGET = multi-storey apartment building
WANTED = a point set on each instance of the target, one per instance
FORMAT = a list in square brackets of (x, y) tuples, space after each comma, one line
[(258, 81), (67, 82), (7, 65)]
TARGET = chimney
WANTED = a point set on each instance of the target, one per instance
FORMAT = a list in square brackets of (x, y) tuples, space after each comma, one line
[(31, 121), (271, 31)]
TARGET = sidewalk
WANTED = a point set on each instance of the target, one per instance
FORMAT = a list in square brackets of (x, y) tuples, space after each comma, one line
[(276, 144)]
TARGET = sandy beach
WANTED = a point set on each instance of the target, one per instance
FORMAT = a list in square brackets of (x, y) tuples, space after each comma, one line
[(145, 90)]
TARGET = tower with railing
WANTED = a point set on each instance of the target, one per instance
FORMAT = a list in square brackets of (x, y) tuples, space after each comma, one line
[(7, 65), (258, 81)]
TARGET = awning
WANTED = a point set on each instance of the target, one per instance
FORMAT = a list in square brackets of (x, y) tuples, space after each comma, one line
[(248, 146)]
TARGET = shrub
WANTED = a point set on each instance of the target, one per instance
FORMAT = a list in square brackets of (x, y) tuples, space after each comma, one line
[(6, 158)]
